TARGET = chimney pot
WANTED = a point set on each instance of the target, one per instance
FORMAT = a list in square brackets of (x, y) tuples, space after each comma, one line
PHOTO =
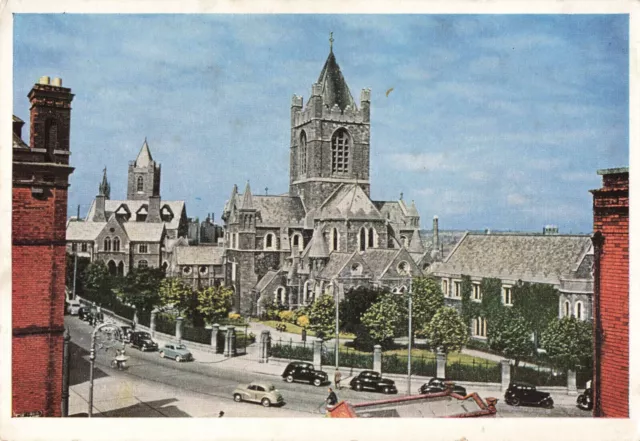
[(44, 80), (57, 82)]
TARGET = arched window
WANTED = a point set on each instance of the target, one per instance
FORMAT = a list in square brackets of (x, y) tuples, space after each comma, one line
[(121, 269), (116, 243), (403, 241), (303, 153), (579, 311), (280, 295), (371, 238), (340, 151), (363, 238), (140, 185), (296, 241), (567, 308), (107, 244), (306, 292), (143, 264), (113, 269), (269, 241), (165, 265), (335, 239)]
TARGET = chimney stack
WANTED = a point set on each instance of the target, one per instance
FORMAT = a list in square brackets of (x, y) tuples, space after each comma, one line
[(154, 209), (436, 236)]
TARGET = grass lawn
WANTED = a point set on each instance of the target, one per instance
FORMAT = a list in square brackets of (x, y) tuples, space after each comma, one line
[(295, 329)]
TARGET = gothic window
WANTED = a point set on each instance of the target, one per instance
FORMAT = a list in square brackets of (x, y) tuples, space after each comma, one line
[(579, 311), (334, 239), (116, 243), (143, 248), (165, 265), (306, 293), (363, 238), (404, 241), (303, 153), (107, 244), (296, 241), (480, 327), (113, 269), (567, 308), (371, 238), (269, 241), (140, 185), (280, 295), (121, 269), (143, 264), (340, 151)]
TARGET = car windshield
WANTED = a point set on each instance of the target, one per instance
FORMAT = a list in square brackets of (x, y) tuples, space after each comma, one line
[(145, 335)]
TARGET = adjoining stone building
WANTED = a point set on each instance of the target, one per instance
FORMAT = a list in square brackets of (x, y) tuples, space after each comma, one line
[(562, 261), (291, 248)]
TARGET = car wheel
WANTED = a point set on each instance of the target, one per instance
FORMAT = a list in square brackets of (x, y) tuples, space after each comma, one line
[(548, 404), (358, 387), (289, 378), (237, 398), (515, 401), (317, 382), (265, 402), (387, 390), (161, 354), (178, 358)]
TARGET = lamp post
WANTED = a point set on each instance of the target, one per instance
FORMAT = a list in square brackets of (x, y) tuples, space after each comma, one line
[(112, 339), (336, 295), (410, 337)]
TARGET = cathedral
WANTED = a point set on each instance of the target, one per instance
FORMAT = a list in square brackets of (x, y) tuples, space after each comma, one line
[(326, 235)]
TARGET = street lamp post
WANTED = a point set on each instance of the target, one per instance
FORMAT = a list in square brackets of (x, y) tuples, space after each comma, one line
[(113, 339), (410, 338), (336, 295)]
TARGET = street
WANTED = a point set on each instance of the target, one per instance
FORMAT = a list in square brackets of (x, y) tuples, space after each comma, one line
[(153, 386)]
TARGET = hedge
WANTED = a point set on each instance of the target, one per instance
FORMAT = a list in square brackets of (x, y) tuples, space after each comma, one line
[(198, 335), (482, 371), (292, 351), (398, 364)]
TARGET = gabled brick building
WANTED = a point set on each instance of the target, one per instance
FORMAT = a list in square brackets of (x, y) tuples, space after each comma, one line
[(40, 180), (611, 294)]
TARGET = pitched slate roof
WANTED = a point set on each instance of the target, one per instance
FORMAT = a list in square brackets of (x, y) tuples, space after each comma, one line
[(198, 255), (266, 280), (336, 262), (379, 259), (143, 231), (111, 206), (144, 157), (318, 247), (392, 211), (18, 143), (348, 201), (416, 245), (529, 257), (334, 86), (277, 210), (84, 231)]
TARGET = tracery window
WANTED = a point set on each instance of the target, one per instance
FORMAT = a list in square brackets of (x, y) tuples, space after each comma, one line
[(340, 151), (303, 153)]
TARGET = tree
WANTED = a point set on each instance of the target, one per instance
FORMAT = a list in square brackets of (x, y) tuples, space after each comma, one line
[(141, 288), (83, 263), (98, 283), (447, 332), (174, 292), (568, 342), (214, 303), (510, 334), (355, 303), (426, 302), (381, 319), (322, 316), (537, 303)]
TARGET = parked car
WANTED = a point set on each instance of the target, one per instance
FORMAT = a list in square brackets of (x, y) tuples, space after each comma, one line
[(304, 371), (84, 313), (259, 392), (374, 381), (439, 385), (125, 333), (523, 393), (177, 352), (73, 307), (143, 341)]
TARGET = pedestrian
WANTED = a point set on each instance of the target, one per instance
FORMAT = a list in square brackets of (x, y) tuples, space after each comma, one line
[(332, 399), (336, 379), (221, 414)]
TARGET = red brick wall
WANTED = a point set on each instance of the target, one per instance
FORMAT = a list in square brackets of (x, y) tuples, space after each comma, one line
[(611, 219), (38, 276)]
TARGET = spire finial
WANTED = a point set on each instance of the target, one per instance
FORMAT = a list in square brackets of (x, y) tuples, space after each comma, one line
[(331, 41)]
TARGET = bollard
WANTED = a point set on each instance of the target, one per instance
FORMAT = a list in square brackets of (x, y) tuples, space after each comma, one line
[(152, 323), (505, 369), (317, 354), (228, 350), (215, 328), (264, 347), (377, 358), (179, 321), (441, 364), (571, 383)]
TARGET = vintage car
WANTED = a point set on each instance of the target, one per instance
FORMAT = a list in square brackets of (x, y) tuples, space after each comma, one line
[(84, 313), (142, 340), (73, 307), (440, 385), (259, 392), (304, 371), (373, 380), (523, 393), (177, 352)]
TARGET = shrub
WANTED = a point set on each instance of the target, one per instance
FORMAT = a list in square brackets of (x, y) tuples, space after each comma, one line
[(233, 316), (295, 351), (303, 321), (281, 327), (287, 316)]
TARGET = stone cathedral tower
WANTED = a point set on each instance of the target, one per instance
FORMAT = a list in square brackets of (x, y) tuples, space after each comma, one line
[(329, 138), (144, 176)]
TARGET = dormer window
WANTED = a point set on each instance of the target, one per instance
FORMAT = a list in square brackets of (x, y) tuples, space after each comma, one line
[(403, 268)]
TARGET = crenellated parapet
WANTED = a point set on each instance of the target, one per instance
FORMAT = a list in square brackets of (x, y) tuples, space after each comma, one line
[(302, 115)]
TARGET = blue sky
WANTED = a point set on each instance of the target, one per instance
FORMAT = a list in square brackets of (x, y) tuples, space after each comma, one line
[(494, 121)]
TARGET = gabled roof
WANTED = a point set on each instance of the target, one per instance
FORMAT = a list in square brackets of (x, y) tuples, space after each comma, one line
[(334, 86), (144, 157), (528, 257), (143, 231), (266, 280), (392, 211), (318, 247), (111, 206), (198, 255), (336, 262), (416, 245), (348, 201), (84, 231), (379, 259), (277, 210)]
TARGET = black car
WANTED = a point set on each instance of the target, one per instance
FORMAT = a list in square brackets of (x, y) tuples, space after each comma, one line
[(523, 393), (84, 313), (440, 385), (125, 333), (142, 340), (373, 380), (303, 371)]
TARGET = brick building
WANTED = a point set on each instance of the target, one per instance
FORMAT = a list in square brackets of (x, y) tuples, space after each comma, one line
[(611, 294), (40, 180)]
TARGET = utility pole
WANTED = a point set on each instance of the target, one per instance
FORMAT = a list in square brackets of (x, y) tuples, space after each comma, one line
[(337, 295), (410, 338), (75, 261)]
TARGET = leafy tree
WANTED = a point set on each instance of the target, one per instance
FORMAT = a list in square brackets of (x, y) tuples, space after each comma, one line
[(174, 292), (427, 300), (322, 316), (214, 303), (537, 303), (83, 263), (141, 288), (382, 318), (510, 334), (355, 303), (568, 342), (447, 331), (98, 283)]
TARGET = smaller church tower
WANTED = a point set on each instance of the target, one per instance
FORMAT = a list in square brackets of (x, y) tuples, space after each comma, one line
[(144, 176)]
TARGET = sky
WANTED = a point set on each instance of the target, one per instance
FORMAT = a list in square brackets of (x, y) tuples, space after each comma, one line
[(494, 121)]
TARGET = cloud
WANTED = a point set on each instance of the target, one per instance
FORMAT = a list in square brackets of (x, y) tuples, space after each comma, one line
[(421, 162), (517, 199)]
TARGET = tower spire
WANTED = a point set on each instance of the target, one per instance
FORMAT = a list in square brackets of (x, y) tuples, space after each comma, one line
[(104, 189), (247, 198)]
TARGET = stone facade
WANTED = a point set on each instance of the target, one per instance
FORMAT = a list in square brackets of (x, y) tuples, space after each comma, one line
[(40, 182), (611, 305)]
